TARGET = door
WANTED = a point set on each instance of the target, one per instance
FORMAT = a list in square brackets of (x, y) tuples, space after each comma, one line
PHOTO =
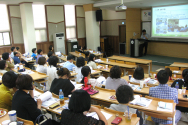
[(122, 33)]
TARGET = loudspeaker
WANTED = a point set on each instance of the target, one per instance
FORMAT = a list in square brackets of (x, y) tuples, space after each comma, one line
[(99, 15)]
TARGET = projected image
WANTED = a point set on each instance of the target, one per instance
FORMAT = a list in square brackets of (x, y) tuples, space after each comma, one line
[(161, 21), (161, 29), (173, 25)]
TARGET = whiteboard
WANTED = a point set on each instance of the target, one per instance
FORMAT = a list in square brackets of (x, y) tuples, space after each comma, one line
[(147, 27)]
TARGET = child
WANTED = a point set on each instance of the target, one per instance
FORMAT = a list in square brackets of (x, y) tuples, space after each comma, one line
[(34, 55), (40, 52)]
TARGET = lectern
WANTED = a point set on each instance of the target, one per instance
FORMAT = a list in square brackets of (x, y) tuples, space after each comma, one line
[(136, 47)]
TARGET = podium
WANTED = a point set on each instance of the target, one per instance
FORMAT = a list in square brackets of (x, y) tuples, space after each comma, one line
[(136, 47)]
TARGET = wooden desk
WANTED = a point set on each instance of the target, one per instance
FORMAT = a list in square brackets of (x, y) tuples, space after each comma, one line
[(76, 54), (6, 117), (25, 58), (119, 64), (179, 64), (138, 61), (179, 71)]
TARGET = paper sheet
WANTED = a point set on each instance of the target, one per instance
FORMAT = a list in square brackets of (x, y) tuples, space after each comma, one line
[(94, 115), (45, 96), (141, 101), (78, 86), (27, 72), (49, 102), (161, 109), (36, 93)]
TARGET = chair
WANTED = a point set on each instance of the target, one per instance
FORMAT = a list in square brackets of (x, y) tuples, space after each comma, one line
[(110, 90), (117, 112), (182, 68), (26, 122), (111, 60), (122, 62), (172, 67), (130, 63)]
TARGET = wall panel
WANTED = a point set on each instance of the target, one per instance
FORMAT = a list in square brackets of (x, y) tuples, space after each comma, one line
[(55, 28)]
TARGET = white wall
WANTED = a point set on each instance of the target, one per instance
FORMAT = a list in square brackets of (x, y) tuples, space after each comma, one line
[(55, 13), (112, 15), (15, 11), (80, 11)]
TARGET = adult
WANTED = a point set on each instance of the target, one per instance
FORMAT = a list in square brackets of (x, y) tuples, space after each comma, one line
[(34, 53), (138, 75), (13, 49), (3, 66), (79, 63), (146, 37), (69, 63), (41, 68), (91, 61), (40, 52), (10, 64)]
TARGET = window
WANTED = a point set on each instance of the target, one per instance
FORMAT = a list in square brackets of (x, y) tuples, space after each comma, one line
[(4, 38), (70, 21), (4, 26), (39, 23)]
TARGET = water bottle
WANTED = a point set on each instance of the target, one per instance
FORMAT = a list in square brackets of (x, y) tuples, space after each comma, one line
[(61, 96), (177, 85)]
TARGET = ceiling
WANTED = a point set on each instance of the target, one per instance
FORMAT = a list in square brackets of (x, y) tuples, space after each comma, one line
[(104, 4)]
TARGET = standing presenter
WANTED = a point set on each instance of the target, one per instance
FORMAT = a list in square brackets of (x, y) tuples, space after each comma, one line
[(145, 36)]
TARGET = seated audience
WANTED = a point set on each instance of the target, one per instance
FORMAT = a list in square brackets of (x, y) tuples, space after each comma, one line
[(91, 61), (8, 82), (69, 64), (62, 82), (50, 54), (7, 58), (169, 73), (40, 52), (51, 48), (163, 91), (16, 59), (182, 82), (124, 95), (51, 71), (79, 63), (41, 68), (138, 75), (86, 72), (34, 54), (86, 56), (17, 50), (13, 49), (114, 81), (79, 105), (80, 49), (23, 100), (3, 66)]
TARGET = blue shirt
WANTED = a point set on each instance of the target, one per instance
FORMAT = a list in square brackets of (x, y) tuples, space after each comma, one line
[(34, 56), (16, 60), (38, 58), (69, 65), (163, 91)]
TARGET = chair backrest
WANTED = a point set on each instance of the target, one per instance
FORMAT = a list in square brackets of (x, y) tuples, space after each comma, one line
[(117, 112), (182, 68), (130, 63), (122, 62), (26, 122), (103, 59), (104, 89), (172, 67), (158, 99), (111, 60)]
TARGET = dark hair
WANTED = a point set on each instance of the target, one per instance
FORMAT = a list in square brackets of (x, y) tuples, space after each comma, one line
[(53, 60), (144, 30), (162, 76), (24, 82), (169, 71), (85, 72), (42, 61), (91, 58), (9, 79), (39, 51), (34, 49), (5, 56), (86, 53), (185, 75), (50, 54), (2, 64), (124, 94), (79, 47), (115, 72), (12, 48), (63, 71), (139, 73), (17, 48), (80, 101), (69, 57), (50, 47), (15, 53), (80, 62)]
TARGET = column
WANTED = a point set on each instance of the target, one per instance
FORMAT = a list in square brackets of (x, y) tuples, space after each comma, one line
[(92, 27), (26, 12)]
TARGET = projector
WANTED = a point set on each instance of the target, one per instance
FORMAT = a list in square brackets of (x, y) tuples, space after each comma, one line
[(121, 7)]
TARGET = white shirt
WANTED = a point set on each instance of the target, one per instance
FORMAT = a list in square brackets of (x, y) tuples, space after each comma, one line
[(52, 74), (94, 83), (12, 55), (3, 71), (79, 76), (135, 80), (142, 36), (41, 69), (92, 64)]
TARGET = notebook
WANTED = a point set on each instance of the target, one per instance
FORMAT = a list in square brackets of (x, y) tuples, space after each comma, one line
[(141, 101)]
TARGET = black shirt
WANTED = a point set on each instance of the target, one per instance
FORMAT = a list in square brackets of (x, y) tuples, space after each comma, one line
[(70, 118), (25, 106), (64, 84), (180, 82)]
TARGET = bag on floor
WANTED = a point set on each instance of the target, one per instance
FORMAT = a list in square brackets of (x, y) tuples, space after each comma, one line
[(46, 121)]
